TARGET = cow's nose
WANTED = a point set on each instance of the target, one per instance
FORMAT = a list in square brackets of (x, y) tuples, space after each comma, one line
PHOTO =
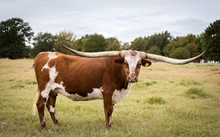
[(132, 78)]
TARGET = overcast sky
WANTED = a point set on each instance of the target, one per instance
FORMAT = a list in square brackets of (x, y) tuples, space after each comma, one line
[(123, 19)]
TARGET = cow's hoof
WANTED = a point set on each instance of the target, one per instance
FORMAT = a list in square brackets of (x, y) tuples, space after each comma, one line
[(108, 126)]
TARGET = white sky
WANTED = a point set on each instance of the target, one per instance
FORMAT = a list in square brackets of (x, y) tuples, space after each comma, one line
[(123, 19)]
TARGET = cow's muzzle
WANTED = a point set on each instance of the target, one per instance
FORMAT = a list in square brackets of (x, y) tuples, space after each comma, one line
[(132, 78)]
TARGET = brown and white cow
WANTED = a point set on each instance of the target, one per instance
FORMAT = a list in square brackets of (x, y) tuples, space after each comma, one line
[(99, 75)]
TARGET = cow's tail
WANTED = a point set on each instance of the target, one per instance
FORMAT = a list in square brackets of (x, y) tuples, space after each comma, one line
[(34, 108)]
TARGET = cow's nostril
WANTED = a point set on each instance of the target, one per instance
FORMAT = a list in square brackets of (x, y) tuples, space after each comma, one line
[(132, 79)]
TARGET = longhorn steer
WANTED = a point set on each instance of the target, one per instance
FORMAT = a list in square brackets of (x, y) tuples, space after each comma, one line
[(100, 75)]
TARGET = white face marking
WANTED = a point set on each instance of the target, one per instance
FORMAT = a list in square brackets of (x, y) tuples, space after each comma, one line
[(132, 62), (52, 109), (51, 55), (118, 95)]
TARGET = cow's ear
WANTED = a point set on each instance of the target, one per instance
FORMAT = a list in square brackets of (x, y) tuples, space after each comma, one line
[(145, 62), (119, 61)]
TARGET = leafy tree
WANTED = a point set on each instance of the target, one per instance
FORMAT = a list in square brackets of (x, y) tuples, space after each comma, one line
[(92, 43), (178, 44), (180, 53), (200, 42), (212, 41), (192, 49), (138, 44), (125, 46), (159, 40), (113, 44), (65, 38), (154, 50), (43, 42), (14, 33)]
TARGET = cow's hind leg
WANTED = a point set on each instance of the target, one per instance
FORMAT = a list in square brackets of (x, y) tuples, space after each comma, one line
[(51, 107), (40, 107)]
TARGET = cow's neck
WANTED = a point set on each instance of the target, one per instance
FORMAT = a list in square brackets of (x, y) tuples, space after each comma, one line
[(123, 80)]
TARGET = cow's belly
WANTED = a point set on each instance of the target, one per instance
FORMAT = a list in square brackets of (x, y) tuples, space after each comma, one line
[(117, 96), (95, 94)]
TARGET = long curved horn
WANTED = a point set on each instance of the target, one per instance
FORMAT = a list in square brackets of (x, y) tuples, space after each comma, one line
[(171, 60), (94, 54)]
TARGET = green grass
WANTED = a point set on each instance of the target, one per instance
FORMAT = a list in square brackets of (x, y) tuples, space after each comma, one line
[(197, 93), (168, 101), (155, 100)]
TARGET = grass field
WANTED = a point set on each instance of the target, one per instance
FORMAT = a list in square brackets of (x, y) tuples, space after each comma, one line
[(168, 101)]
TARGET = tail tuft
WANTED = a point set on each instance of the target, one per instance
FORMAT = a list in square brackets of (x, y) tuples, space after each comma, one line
[(34, 108)]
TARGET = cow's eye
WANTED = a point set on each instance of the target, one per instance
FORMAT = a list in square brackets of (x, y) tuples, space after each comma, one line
[(125, 64), (139, 65)]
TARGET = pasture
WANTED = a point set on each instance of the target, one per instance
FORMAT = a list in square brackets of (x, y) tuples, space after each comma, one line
[(168, 101)]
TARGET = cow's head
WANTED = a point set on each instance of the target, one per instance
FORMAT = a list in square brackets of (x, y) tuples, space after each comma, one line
[(132, 60)]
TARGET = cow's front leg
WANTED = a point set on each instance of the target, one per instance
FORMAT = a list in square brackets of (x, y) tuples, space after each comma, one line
[(108, 109)]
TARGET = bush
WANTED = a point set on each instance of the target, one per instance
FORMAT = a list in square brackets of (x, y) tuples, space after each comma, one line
[(155, 100), (196, 93)]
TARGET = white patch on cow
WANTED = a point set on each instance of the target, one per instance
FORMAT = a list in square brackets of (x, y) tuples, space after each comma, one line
[(45, 67), (45, 92), (52, 109), (55, 116), (43, 120), (51, 85), (132, 62), (51, 55), (118, 95), (52, 74), (95, 94)]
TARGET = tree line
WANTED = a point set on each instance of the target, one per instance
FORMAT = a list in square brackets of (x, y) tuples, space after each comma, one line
[(16, 36)]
